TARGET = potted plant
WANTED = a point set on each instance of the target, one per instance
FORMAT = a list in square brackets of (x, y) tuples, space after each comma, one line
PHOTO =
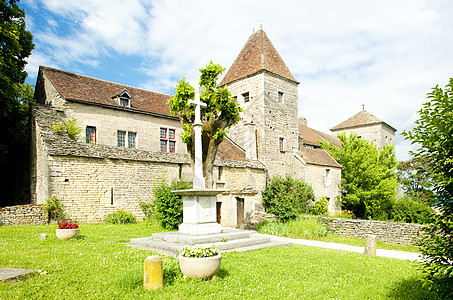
[(67, 230), (197, 261)]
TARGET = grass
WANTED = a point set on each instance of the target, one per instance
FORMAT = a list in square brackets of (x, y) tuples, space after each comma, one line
[(310, 228), (97, 266)]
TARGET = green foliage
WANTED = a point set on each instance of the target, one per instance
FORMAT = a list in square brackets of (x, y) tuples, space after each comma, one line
[(54, 209), (434, 136), (199, 251), (221, 112), (121, 216), (408, 210), (368, 177), (417, 185), (287, 198), (148, 208), (305, 228), (70, 127), (320, 207), (168, 204)]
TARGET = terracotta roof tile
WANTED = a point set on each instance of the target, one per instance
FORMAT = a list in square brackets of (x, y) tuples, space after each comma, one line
[(312, 136), (257, 54), (360, 119), (228, 150), (88, 89), (318, 157)]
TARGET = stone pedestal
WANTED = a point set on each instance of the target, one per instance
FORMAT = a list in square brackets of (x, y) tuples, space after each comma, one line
[(199, 211), (370, 246)]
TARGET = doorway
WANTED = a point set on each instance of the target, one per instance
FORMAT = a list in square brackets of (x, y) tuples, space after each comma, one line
[(240, 211)]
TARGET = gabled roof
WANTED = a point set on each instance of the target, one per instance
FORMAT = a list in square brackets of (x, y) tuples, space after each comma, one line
[(89, 90), (318, 157), (363, 118), (311, 137), (258, 54)]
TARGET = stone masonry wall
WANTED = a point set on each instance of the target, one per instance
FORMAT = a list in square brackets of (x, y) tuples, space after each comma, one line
[(388, 232), (28, 214), (322, 186)]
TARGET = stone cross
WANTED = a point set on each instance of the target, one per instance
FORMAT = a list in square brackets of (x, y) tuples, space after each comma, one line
[(198, 180)]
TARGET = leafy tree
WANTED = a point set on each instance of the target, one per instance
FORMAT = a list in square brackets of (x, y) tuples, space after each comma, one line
[(287, 198), (416, 185), (368, 177), (15, 46), (434, 136), (221, 113)]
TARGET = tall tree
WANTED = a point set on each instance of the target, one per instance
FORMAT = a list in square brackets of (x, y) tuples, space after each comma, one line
[(368, 179), (221, 112), (416, 185), (15, 46), (433, 135)]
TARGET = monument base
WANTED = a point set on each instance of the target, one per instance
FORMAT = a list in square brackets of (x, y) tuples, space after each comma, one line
[(200, 229)]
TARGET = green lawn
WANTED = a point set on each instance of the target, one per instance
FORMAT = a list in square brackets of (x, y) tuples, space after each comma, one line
[(97, 266)]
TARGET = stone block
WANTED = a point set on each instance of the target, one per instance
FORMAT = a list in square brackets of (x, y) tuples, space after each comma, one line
[(153, 274), (370, 246)]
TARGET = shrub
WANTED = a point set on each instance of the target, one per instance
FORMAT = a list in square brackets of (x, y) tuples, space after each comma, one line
[(298, 228), (121, 216), (287, 198), (168, 204), (409, 210), (70, 126), (321, 207), (54, 209)]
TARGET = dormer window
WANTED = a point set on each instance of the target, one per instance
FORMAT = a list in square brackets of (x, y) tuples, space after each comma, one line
[(124, 99)]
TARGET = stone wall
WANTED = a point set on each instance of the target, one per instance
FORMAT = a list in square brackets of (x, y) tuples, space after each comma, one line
[(325, 182), (388, 232), (28, 214)]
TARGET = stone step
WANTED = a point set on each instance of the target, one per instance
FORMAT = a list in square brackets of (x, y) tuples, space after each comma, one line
[(262, 246), (176, 237), (239, 243)]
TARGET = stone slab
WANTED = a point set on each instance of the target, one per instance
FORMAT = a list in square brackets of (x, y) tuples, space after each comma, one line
[(10, 274)]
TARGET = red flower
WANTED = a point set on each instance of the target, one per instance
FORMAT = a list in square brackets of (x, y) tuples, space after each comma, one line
[(67, 225)]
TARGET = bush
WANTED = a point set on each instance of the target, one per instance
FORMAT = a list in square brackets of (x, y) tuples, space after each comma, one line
[(321, 207), (298, 228), (70, 126), (287, 198), (54, 209), (121, 216), (408, 210), (168, 204)]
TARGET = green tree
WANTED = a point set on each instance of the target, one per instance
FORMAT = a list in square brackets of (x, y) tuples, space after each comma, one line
[(287, 198), (221, 113), (417, 185), (15, 46), (368, 179), (433, 135)]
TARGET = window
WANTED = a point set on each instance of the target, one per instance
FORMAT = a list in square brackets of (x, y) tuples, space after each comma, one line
[(246, 97), (121, 138), (235, 98), (280, 96), (90, 135), (167, 140), (125, 102), (131, 137), (281, 144), (328, 177)]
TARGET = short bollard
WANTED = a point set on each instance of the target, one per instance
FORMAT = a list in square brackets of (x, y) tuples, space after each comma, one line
[(154, 278), (370, 246)]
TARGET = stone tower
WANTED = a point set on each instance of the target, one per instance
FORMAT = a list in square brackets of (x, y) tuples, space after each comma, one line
[(262, 84)]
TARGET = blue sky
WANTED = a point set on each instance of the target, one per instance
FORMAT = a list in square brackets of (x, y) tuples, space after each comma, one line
[(386, 55)]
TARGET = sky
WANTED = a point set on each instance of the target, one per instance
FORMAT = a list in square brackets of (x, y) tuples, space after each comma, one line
[(385, 55)]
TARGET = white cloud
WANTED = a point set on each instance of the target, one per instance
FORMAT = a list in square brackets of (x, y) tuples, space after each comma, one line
[(384, 54)]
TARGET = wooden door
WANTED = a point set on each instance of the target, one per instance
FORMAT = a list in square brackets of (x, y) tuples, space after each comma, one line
[(218, 207), (240, 211)]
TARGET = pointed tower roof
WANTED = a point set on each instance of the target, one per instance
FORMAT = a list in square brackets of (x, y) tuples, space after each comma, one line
[(257, 55), (358, 120)]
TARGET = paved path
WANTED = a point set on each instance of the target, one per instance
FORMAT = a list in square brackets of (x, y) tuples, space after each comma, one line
[(379, 252)]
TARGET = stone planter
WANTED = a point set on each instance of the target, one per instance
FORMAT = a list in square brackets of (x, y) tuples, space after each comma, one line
[(64, 234), (204, 267)]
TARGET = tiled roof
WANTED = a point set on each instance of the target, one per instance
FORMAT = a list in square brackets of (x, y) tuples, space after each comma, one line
[(229, 150), (257, 54), (77, 87), (318, 157), (312, 136), (360, 119)]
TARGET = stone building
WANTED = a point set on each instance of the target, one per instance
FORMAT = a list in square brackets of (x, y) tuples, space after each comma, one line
[(367, 127), (130, 141)]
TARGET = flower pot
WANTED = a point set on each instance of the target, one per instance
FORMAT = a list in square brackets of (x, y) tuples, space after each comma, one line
[(64, 234), (203, 267)]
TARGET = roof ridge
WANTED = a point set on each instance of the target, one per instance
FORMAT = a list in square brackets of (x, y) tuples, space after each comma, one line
[(41, 67)]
